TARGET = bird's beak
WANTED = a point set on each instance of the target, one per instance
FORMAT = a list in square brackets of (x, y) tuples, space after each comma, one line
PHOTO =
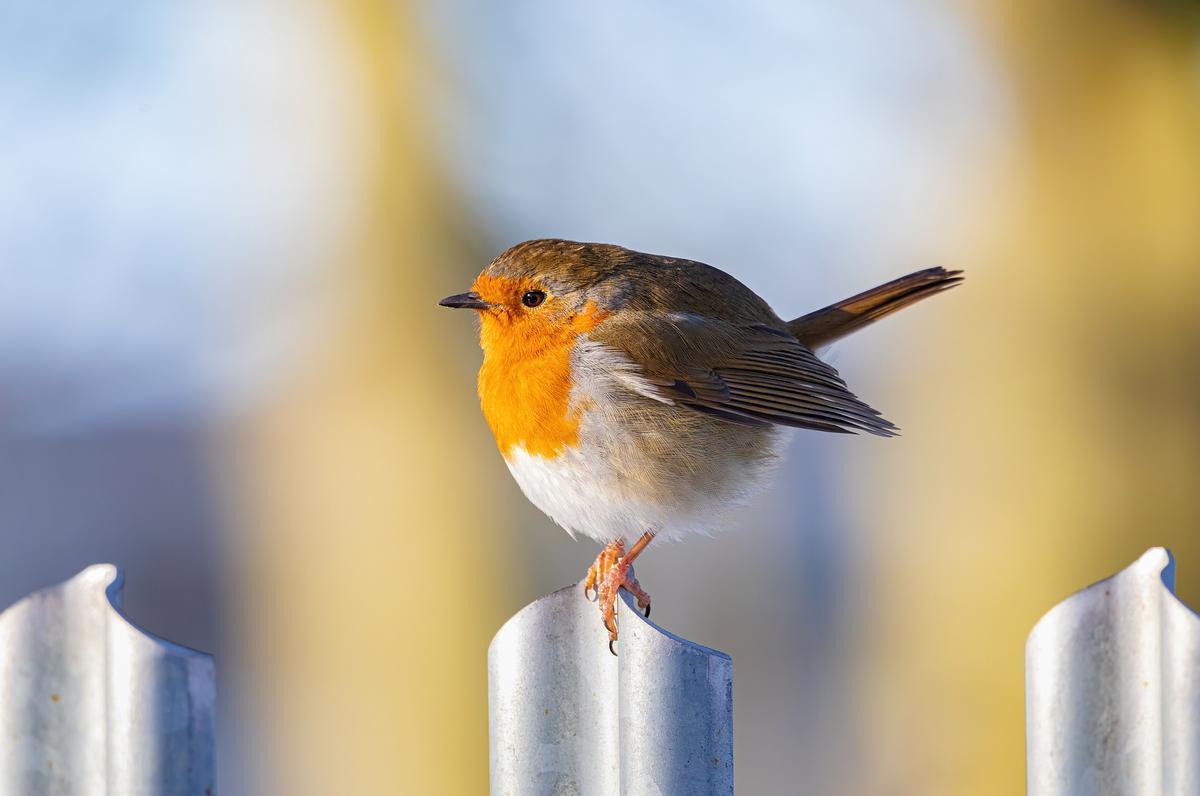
[(468, 301)]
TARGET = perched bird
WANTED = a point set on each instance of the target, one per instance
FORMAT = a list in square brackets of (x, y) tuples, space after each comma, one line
[(635, 396)]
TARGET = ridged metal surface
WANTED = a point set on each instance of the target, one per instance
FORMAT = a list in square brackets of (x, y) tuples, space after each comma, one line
[(566, 717), (1113, 689), (90, 704)]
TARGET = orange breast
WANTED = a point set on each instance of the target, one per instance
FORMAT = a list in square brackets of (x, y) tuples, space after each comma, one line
[(525, 382)]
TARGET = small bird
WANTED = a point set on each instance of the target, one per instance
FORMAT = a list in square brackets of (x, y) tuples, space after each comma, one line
[(635, 396)]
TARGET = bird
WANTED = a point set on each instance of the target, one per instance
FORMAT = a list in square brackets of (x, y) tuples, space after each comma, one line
[(637, 396)]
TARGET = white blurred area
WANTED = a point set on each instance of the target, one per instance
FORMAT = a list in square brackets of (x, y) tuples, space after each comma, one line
[(173, 177), (786, 142)]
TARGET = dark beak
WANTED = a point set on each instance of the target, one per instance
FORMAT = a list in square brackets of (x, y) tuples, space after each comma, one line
[(465, 301)]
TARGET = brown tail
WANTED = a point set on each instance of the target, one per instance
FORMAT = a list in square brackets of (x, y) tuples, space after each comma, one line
[(822, 327)]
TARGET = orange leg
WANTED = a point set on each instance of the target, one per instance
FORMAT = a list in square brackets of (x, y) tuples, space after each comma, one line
[(609, 575)]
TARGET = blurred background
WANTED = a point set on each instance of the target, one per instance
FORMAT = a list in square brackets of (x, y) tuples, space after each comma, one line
[(224, 228)]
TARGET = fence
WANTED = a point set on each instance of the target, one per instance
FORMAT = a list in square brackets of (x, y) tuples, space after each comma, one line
[(90, 704)]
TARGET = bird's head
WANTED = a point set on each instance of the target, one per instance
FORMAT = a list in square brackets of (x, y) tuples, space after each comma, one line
[(543, 292)]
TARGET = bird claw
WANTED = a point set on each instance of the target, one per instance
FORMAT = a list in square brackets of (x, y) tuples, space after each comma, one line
[(611, 553), (619, 576), (608, 574)]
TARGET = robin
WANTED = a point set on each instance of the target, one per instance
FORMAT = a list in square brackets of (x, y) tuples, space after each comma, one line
[(635, 396)]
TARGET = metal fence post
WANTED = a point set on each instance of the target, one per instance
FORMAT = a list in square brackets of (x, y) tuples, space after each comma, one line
[(90, 704), (1112, 689), (565, 716)]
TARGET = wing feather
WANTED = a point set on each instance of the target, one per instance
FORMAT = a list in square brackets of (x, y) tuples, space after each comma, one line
[(752, 374)]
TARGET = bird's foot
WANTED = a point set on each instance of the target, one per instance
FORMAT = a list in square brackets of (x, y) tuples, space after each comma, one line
[(611, 553), (611, 572)]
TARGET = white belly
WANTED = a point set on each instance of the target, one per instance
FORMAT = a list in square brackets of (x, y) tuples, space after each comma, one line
[(579, 491)]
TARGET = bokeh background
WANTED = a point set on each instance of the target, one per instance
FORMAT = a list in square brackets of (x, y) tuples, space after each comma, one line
[(224, 227)]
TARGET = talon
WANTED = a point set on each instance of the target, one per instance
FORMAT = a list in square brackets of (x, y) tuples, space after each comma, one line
[(643, 599), (589, 583), (610, 625), (612, 641)]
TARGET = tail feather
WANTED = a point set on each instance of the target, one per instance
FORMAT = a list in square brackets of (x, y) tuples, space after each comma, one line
[(824, 326)]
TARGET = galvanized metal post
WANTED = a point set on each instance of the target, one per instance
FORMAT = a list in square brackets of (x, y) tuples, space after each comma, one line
[(1112, 678), (567, 717), (90, 704)]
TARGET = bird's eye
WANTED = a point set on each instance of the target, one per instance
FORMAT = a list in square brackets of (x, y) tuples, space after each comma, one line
[(533, 298)]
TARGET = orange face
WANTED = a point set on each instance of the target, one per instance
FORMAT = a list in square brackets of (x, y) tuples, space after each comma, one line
[(527, 335)]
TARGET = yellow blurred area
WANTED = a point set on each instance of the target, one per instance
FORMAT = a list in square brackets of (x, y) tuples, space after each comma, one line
[(1061, 439), (369, 592), (1052, 433)]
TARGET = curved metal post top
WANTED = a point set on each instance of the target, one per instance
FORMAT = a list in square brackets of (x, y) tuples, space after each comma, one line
[(1112, 688), (565, 716), (92, 704)]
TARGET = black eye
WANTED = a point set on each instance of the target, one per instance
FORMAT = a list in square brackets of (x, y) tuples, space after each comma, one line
[(533, 298)]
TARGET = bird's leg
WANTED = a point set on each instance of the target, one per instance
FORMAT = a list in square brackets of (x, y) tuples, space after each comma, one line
[(616, 577)]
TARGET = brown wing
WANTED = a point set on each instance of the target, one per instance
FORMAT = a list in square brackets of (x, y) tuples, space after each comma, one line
[(754, 375)]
